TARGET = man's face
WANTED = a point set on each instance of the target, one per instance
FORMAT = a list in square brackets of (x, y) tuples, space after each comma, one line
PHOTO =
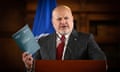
[(62, 21)]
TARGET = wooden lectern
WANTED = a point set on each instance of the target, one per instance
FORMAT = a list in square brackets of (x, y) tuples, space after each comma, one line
[(70, 66)]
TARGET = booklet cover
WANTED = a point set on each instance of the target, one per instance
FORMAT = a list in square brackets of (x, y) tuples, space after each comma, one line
[(25, 40)]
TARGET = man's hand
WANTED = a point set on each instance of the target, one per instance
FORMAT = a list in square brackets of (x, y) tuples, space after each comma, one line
[(28, 60)]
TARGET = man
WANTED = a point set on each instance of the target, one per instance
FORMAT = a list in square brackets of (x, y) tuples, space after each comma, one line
[(77, 45)]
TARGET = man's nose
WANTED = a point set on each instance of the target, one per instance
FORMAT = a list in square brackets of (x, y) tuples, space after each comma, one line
[(63, 21)]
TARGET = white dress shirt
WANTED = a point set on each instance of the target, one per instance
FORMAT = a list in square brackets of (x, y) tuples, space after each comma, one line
[(66, 41)]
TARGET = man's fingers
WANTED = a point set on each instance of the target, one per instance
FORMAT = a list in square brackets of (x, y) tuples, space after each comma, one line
[(29, 57), (26, 57)]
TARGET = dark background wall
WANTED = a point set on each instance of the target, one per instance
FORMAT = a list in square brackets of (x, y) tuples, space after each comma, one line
[(100, 17)]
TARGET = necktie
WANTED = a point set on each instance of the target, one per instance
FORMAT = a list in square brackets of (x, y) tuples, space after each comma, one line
[(60, 48)]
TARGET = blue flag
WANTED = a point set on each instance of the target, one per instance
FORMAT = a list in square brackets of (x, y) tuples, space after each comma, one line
[(42, 21)]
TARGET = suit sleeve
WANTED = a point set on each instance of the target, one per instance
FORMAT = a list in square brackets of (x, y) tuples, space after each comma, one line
[(37, 55), (94, 51)]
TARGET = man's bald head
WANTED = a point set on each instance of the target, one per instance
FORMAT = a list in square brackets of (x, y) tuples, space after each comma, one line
[(62, 8)]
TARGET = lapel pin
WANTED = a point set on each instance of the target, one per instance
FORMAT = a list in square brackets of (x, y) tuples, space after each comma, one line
[(75, 38)]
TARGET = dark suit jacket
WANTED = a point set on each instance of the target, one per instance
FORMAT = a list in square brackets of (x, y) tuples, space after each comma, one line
[(80, 46)]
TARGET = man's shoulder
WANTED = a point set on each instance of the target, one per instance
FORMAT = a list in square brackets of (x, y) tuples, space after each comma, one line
[(84, 34), (47, 37)]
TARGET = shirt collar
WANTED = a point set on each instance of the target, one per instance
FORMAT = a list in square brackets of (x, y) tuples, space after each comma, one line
[(59, 35)]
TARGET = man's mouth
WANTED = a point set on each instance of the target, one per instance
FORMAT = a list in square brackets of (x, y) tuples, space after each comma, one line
[(63, 26)]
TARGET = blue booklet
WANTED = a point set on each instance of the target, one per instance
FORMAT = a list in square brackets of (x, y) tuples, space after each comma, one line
[(25, 40)]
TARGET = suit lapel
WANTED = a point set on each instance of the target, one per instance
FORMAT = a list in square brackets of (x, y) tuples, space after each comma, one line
[(52, 47), (72, 45)]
